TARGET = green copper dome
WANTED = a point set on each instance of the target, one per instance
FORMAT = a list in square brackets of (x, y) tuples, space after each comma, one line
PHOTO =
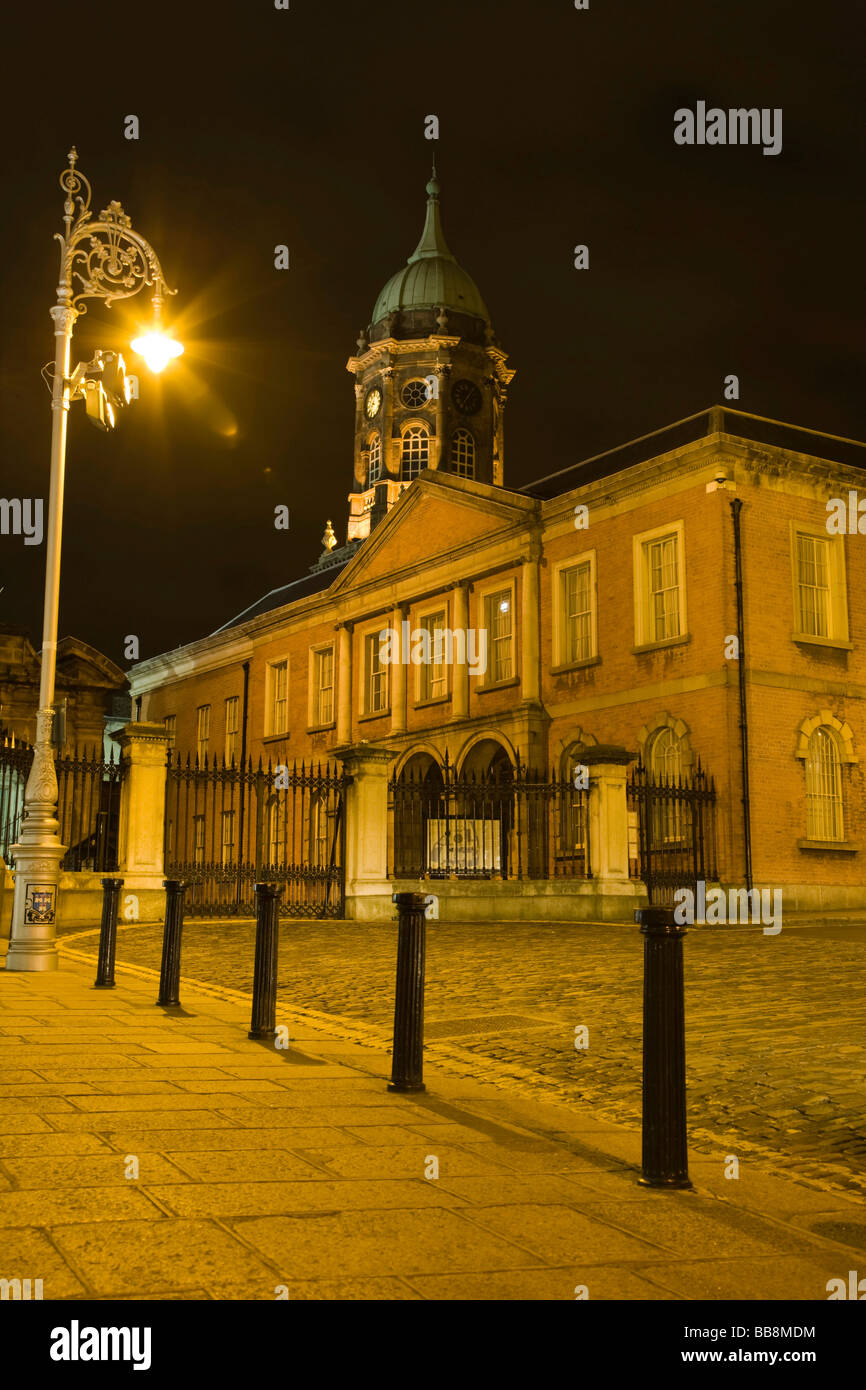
[(432, 278)]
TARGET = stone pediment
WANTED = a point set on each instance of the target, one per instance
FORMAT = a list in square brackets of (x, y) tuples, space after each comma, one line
[(438, 515)]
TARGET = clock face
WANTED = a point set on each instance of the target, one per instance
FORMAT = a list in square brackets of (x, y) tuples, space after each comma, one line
[(373, 401), (466, 397)]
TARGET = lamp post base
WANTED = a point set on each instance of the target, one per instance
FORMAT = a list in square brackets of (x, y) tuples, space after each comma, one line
[(32, 945)]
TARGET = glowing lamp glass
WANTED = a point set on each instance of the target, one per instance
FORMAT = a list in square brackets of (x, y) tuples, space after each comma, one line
[(157, 350)]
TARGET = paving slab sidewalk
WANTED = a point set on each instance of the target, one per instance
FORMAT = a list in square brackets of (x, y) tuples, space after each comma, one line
[(150, 1153)]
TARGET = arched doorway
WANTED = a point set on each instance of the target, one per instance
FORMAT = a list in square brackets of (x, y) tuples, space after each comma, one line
[(417, 794), (483, 812)]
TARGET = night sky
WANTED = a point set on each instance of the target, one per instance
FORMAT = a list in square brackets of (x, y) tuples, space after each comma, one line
[(306, 127)]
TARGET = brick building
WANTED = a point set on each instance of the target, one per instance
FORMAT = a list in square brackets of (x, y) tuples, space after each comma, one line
[(683, 599)]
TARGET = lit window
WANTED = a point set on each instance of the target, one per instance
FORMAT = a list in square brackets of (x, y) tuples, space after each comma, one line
[(170, 723), (823, 787), (375, 469), (416, 452), (500, 635), (669, 814), (376, 677), (660, 605), (576, 599), (323, 686), (277, 831), (202, 731), (278, 707), (322, 829), (232, 704), (663, 574), (666, 755), (463, 453), (433, 680), (813, 580), (228, 836)]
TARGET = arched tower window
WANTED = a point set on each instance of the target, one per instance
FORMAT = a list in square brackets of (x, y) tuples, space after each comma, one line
[(375, 463), (463, 453), (416, 452), (823, 787)]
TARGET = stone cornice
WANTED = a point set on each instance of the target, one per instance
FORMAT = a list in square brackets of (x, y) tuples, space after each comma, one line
[(741, 455), (399, 347), (205, 654)]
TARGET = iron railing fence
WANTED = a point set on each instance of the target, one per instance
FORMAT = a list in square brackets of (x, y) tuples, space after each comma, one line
[(510, 823), (675, 823), (229, 827), (88, 805)]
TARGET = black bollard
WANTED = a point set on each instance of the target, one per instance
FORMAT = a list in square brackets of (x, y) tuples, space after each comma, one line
[(108, 933), (169, 975), (407, 1068), (665, 1159), (264, 1020)]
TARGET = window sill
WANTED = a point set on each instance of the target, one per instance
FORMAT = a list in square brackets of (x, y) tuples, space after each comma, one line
[(836, 846), (498, 685), (657, 646), (321, 728), (378, 714), (275, 738), (436, 700), (575, 666), (807, 640)]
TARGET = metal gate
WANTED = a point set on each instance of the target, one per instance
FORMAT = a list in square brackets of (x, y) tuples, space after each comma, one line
[(227, 828), (88, 803), (675, 823), (510, 823)]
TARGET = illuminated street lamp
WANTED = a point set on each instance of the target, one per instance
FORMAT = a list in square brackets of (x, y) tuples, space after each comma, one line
[(109, 261), (154, 346)]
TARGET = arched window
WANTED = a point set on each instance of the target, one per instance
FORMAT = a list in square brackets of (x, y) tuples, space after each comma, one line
[(463, 453), (823, 787), (277, 830), (570, 852), (670, 817), (375, 469), (416, 451), (665, 755), (321, 830)]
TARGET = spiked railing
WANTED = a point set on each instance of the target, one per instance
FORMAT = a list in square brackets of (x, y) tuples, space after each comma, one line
[(676, 830), (508, 823), (229, 827), (89, 792)]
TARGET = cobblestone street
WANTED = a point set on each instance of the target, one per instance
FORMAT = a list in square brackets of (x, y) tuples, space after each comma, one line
[(776, 1043)]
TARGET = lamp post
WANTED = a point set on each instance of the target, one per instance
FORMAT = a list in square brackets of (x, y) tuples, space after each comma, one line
[(110, 261)]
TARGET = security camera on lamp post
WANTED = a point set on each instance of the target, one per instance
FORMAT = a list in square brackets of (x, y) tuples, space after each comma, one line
[(101, 258)]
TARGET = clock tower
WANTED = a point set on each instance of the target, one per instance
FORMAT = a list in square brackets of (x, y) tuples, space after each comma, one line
[(430, 381)]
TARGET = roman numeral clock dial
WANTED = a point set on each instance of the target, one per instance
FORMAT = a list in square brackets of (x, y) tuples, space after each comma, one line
[(466, 397)]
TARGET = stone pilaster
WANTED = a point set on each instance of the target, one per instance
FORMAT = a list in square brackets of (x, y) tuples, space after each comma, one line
[(399, 673), (368, 890), (344, 683), (608, 822), (460, 671), (142, 806), (530, 645)]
